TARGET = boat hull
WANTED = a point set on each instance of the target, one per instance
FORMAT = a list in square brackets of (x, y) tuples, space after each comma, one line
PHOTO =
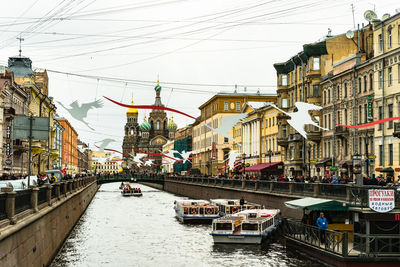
[(132, 194), (195, 218), (237, 239)]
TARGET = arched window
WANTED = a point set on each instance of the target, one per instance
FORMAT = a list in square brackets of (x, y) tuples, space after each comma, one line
[(152, 125), (165, 125), (132, 131), (158, 125)]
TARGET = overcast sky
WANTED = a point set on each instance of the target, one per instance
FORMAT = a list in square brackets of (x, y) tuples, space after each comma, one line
[(196, 47)]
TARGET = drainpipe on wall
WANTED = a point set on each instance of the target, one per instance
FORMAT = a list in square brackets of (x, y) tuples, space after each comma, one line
[(333, 122)]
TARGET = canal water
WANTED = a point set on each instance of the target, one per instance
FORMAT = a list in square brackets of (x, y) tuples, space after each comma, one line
[(143, 231)]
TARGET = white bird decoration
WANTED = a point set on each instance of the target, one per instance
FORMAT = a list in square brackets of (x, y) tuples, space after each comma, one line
[(226, 124), (79, 112), (232, 158), (148, 162), (104, 143), (137, 158), (301, 117)]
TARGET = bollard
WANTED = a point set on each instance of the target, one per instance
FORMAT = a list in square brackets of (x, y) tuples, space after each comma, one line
[(271, 186), (316, 189), (48, 193), (348, 192), (291, 187), (10, 203), (256, 185), (57, 188), (243, 183), (64, 187), (222, 182), (34, 197)]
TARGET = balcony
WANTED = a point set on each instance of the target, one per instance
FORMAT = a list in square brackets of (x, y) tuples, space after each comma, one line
[(282, 141), (314, 136), (282, 116), (341, 131), (282, 88), (396, 131), (313, 73), (20, 146), (294, 137)]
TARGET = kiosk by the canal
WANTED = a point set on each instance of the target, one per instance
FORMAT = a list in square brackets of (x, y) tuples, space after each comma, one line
[(363, 231)]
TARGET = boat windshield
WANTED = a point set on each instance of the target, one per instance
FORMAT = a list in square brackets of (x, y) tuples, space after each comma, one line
[(224, 226), (250, 226)]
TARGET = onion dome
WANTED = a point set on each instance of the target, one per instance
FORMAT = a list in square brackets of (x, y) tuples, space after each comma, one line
[(172, 125), (145, 126), (132, 111), (158, 87)]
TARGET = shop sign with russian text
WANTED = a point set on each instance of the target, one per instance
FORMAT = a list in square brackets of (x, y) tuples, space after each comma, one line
[(381, 200)]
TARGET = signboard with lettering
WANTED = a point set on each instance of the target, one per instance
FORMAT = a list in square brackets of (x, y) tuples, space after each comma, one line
[(214, 151), (381, 200)]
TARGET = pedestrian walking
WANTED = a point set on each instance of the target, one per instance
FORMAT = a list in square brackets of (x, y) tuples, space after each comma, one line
[(322, 224)]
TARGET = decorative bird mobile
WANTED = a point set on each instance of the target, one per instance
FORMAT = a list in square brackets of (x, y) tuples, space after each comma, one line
[(301, 117), (79, 112)]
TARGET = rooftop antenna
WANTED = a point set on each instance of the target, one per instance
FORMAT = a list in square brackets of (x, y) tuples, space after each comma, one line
[(245, 89), (350, 35), (352, 11), (20, 44), (235, 89), (329, 32)]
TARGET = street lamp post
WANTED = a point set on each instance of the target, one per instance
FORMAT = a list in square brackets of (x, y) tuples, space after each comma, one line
[(269, 155), (244, 164), (366, 155), (309, 163)]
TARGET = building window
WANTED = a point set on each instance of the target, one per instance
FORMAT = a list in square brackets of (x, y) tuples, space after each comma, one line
[(226, 106), (380, 117), (316, 63), (238, 106), (390, 114), (269, 122), (324, 97), (315, 90), (284, 103), (338, 93), (390, 37), (345, 116), (345, 90), (158, 125), (365, 83), (329, 96), (365, 113), (359, 85), (380, 42), (390, 81), (329, 122), (398, 69), (226, 140), (390, 154), (359, 114), (371, 81), (380, 79), (273, 121), (338, 117), (284, 80), (284, 131)]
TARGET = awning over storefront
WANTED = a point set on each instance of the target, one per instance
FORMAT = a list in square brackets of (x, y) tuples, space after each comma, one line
[(324, 162), (263, 166), (345, 162), (388, 169), (311, 203)]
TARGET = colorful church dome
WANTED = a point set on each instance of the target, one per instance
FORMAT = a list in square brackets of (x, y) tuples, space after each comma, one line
[(145, 126), (172, 125), (158, 87), (132, 111)]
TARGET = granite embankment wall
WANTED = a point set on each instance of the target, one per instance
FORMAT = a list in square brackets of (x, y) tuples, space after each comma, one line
[(35, 222)]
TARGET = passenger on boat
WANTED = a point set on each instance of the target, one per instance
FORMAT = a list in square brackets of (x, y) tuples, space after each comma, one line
[(322, 224), (242, 201)]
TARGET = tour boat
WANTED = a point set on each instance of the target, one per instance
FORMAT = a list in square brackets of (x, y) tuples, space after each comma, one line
[(128, 190), (231, 206), (195, 211), (245, 227)]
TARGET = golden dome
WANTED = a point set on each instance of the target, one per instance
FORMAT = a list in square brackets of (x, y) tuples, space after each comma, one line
[(132, 111)]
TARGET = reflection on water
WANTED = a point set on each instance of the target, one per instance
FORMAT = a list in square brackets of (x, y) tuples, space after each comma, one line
[(143, 231)]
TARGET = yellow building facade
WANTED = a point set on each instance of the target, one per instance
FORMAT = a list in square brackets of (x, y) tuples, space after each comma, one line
[(210, 148), (387, 95)]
